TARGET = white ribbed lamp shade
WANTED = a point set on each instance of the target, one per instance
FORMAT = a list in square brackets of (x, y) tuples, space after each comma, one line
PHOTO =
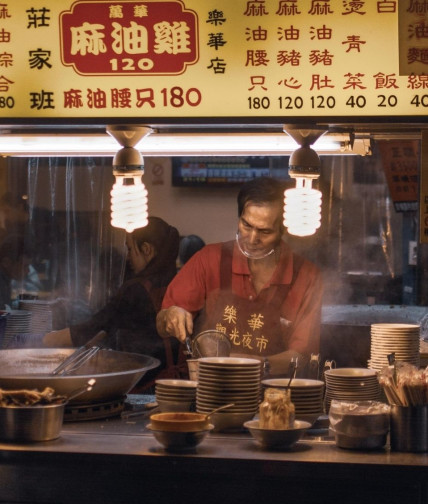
[(129, 203), (302, 208)]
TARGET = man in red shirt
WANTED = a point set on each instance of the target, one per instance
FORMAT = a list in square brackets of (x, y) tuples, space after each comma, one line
[(254, 289)]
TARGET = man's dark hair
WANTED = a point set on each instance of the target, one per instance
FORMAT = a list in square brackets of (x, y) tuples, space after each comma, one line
[(189, 245), (165, 239), (261, 190)]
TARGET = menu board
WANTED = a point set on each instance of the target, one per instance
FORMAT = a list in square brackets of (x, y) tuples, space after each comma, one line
[(401, 159), (183, 59)]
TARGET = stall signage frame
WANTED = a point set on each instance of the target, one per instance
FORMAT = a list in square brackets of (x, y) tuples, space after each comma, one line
[(194, 59)]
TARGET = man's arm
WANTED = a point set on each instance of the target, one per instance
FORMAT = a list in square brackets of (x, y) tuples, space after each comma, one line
[(174, 321)]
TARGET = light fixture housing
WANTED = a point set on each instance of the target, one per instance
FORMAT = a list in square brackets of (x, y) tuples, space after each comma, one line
[(302, 205), (129, 202)]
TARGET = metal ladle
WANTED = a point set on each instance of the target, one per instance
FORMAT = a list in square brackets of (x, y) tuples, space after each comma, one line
[(86, 388), (293, 370)]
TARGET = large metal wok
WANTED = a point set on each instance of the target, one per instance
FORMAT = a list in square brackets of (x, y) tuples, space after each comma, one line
[(116, 372)]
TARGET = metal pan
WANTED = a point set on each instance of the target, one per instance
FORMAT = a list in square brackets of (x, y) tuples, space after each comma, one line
[(116, 372)]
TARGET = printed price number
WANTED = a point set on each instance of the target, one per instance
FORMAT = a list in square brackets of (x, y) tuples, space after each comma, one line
[(128, 64), (420, 101), (178, 97), (322, 102), (7, 102), (387, 101), (290, 103), (256, 103), (356, 101)]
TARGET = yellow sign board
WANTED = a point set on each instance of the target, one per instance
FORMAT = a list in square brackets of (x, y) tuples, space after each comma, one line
[(413, 36), (243, 59)]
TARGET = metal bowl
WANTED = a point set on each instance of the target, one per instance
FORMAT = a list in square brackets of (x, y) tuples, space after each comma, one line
[(31, 423), (175, 441), (277, 438)]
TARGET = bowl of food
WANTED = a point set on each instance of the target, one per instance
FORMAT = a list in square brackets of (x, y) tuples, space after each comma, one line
[(30, 415), (179, 421), (277, 438), (180, 441)]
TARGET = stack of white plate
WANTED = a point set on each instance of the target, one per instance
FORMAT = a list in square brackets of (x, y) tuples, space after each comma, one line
[(401, 339), (175, 395), (46, 314), (306, 395), (351, 384), (17, 322), (228, 380)]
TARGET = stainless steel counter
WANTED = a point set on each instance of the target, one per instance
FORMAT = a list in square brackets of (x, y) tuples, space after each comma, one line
[(119, 461)]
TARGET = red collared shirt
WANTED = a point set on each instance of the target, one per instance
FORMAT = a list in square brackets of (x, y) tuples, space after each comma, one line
[(302, 307)]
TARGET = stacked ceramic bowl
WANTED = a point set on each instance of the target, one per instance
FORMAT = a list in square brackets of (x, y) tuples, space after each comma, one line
[(306, 395), (228, 380), (401, 339), (175, 395), (351, 384), (17, 322)]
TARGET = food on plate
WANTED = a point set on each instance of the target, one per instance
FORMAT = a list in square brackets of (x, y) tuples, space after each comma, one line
[(26, 397), (277, 411)]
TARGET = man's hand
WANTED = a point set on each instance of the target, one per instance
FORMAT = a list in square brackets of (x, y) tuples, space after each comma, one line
[(174, 321)]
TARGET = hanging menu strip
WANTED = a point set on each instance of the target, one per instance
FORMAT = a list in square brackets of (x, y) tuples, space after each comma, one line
[(213, 58)]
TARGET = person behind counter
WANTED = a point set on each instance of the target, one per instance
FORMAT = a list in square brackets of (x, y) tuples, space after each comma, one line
[(189, 245), (129, 318), (254, 288)]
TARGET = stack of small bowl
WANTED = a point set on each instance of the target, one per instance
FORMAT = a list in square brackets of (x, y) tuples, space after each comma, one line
[(175, 395), (351, 384), (306, 395), (401, 339), (228, 380)]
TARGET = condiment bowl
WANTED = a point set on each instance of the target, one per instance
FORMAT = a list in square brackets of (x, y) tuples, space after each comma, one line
[(178, 441), (277, 438), (179, 422)]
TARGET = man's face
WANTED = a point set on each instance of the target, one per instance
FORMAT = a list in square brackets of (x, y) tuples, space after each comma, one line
[(260, 228)]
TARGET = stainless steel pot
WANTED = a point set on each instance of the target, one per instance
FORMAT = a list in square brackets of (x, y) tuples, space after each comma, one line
[(31, 423), (116, 373)]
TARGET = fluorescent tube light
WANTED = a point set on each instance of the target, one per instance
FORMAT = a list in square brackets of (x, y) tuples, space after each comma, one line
[(163, 144)]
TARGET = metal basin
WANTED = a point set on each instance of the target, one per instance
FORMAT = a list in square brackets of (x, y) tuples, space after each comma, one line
[(31, 423), (116, 372)]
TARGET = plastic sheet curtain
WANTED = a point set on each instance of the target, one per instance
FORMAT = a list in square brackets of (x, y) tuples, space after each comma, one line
[(362, 229), (78, 256), (358, 246)]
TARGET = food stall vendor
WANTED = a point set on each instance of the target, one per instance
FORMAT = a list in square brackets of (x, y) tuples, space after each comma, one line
[(255, 289)]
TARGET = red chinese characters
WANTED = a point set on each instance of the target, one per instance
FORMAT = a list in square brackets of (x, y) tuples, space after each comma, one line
[(129, 38)]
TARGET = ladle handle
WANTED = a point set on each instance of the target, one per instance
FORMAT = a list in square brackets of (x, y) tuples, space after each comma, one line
[(188, 343), (225, 406), (79, 391)]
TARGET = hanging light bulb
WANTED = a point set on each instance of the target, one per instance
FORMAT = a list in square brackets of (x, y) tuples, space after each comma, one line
[(302, 208), (302, 205), (129, 202)]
